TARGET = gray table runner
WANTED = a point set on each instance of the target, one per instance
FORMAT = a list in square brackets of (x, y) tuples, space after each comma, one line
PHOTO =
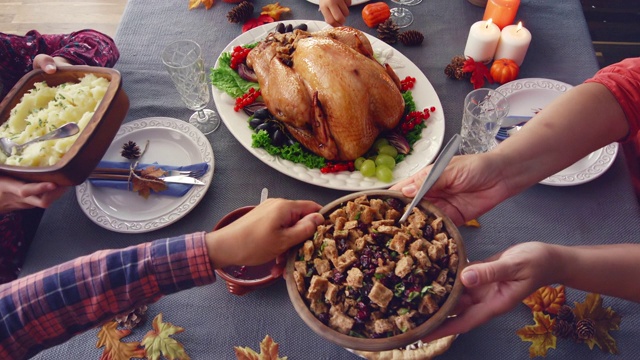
[(601, 211)]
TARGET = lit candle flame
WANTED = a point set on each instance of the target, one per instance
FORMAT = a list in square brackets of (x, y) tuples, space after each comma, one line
[(488, 23), (519, 26)]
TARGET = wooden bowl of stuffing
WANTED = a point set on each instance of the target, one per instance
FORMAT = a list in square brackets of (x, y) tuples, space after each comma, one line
[(92, 97), (366, 282)]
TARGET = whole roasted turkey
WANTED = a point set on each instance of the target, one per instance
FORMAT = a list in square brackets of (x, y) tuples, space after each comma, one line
[(327, 89)]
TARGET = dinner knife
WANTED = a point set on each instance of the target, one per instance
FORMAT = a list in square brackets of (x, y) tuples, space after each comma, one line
[(181, 179)]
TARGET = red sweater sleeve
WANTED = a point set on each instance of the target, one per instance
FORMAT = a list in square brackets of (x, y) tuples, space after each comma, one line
[(623, 80)]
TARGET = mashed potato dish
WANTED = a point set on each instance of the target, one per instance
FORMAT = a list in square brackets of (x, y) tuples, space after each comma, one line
[(46, 108)]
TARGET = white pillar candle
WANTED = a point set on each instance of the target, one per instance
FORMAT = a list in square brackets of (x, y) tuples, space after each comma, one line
[(514, 42), (482, 41)]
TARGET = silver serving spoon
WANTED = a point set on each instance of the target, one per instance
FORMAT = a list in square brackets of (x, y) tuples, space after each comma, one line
[(66, 130), (438, 167)]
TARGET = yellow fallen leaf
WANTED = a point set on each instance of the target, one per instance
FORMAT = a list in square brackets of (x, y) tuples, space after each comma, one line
[(605, 320), (472, 223), (158, 342), (540, 335), (274, 10), (114, 349)]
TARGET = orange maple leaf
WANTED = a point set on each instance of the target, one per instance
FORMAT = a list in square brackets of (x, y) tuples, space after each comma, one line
[(148, 181), (195, 3), (540, 335), (268, 351), (547, 299), (274, 10), (114, 349), (472, 223), (605, 320)]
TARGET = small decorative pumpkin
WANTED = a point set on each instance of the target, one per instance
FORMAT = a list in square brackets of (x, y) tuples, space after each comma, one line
[(375, 13), (504, 70)]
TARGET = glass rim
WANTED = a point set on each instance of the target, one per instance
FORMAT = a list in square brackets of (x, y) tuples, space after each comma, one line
[(198, 48)]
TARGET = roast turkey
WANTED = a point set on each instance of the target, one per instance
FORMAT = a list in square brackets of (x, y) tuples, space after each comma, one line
[(327, 89)]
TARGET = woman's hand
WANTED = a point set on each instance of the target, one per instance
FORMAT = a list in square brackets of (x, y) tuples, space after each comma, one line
[(470, 186), (335, 12), (17, 195), (49, 64), (264, 233), (498, 285)]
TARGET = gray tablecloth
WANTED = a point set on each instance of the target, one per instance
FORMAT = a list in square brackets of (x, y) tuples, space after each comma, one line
[(601, 211)]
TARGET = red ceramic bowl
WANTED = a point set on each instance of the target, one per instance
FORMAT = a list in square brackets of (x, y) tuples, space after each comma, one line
[(243, 279), (92, 142)]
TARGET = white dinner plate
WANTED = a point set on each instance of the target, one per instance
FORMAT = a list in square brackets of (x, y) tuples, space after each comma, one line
[(171, 142), (424, 95), (353, 2), (527, 97)]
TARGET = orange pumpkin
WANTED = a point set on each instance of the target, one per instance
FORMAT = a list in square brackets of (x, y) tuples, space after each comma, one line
[(504, 70), (375, 13)]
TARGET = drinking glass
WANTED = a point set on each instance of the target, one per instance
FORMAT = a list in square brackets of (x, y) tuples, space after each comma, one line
[(484, 111), (183, 61), (402, 16)]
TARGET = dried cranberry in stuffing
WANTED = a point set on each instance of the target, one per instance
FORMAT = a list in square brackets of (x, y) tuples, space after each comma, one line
[(428, 232), (324, 318)]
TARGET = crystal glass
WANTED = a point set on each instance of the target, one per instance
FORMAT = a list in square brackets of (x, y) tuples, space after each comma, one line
[(402, 16), (183, 61), (483, 113)]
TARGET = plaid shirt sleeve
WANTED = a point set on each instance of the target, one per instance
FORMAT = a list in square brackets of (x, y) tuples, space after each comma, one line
[(84, 47), (49, 307)]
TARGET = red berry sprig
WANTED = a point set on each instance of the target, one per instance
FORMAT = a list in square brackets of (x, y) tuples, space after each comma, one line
[(334, 167), (407, 83), (238, 56), (414, 118), (247, 99)]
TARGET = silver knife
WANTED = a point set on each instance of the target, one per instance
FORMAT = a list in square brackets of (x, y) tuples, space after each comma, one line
[(181, 180)]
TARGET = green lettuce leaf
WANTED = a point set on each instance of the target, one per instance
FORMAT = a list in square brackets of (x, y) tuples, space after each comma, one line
[(226, 79)]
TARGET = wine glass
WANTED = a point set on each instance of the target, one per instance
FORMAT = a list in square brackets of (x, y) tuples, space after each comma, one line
[(183, 61), (402, 16)]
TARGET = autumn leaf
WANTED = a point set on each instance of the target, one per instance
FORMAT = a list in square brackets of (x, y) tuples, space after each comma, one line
[(268, 351), (255, 22), (195, 3), (547, 299), (605, 320), (158, 341), (274, 10), (479, 72), (540, 335), (472, 223), (109, 337), (148, 181)]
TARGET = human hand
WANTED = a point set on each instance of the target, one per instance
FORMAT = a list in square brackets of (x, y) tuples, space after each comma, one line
[(469, 186), (264, 233), (17, 195), (335, 12), (49, 64), (498, 285)]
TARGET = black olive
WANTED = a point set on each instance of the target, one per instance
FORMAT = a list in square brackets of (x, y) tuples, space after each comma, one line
[(262, 113), (288, 28), (264, 126), (302, 27), (255, 122), (280, 28), (278, 138), (290, 141)]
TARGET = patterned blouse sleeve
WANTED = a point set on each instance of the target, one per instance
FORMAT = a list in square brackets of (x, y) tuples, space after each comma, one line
[(49, 307), (623, 80)]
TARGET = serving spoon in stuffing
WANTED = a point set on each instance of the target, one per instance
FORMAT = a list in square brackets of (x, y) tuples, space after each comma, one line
[(66, 130), (438, 167)]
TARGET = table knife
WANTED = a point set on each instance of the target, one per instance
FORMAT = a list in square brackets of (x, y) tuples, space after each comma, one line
[(168, 179)]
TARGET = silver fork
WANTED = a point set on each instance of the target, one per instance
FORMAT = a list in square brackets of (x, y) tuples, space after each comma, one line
[(192, 173)]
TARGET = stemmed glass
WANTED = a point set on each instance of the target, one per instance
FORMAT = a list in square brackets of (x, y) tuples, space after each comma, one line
[(402, 16), (183, 61)]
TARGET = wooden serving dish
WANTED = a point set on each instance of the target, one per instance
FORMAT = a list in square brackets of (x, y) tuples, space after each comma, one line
[(396, 341), (92, 142)]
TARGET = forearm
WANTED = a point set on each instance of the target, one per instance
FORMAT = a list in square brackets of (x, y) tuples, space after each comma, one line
[(83, 293), (579, 122), (85, 47), (604, 269)]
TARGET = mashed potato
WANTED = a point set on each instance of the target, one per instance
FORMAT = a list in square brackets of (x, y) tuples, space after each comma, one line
[(44, 109)]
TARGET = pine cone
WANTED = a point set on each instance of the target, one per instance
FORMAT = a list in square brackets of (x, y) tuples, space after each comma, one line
[(411, 38), (563, 329), (133, 318), (458, 61), (130, 150), (585, 329), (566, 314), (454, 69), (240, 13), (388, 31)]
